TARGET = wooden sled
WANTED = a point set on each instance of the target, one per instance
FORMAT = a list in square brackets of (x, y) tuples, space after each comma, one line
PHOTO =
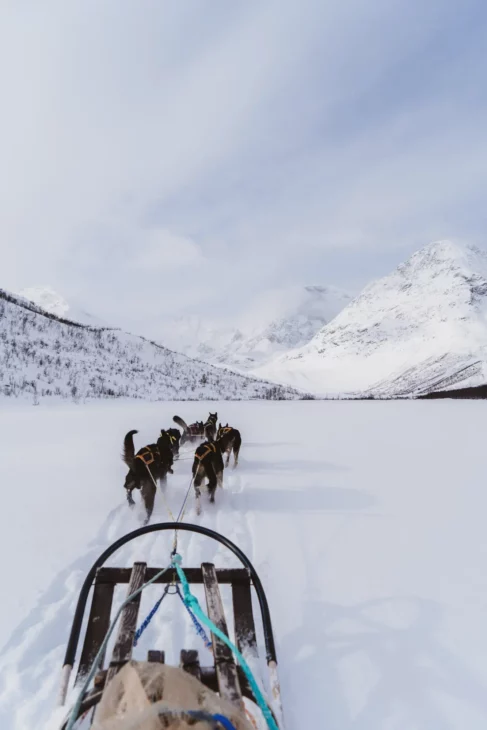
[(223, 677)]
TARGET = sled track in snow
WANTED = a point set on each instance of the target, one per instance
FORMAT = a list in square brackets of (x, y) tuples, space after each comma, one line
[(45, 629)]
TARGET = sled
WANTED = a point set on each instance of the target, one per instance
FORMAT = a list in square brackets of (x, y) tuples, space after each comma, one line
[(225, 676)]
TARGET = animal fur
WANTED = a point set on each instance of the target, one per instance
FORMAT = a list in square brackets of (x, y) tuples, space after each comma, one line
[(199, 430), (191, 433), (142, 475), (229, 439), (128, 453), (175, 437), (165, 446), (210, 427), (207, 463)]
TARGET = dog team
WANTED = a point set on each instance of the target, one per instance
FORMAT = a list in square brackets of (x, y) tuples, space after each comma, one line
[(152, 463)]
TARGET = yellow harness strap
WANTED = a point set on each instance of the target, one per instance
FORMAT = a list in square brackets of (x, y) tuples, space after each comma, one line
[(209, 448), (171, 438), (147, 455)]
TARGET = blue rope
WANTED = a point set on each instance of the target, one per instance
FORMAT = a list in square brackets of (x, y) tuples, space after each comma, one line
[(192, 602), (147, 620), (199, 629), (216, 721), (227, 725)]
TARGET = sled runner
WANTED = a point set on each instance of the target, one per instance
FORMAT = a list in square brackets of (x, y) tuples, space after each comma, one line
[(101, 682)]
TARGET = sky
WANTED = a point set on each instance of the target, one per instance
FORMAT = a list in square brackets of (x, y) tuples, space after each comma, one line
[(168, 157)]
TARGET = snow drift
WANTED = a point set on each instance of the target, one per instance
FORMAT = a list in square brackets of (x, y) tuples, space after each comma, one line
[(422, 327)]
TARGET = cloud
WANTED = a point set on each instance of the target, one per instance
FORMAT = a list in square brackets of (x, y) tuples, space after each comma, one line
[(163, 251), (256, 144)]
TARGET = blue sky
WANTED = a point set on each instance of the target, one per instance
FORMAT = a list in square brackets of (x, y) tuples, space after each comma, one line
[(166, 157)]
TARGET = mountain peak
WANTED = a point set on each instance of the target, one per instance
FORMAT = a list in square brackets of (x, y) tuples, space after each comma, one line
[(431, 308), (52, 302), (46, 298), (444, 254)]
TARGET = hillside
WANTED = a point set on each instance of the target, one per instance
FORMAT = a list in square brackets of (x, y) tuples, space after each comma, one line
[(45, 355), (421, 324)]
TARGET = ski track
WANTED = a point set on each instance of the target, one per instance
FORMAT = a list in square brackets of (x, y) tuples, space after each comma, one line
[(366, 640)]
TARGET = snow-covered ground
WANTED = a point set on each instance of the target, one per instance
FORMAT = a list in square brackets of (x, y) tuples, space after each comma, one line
[(365, 520)]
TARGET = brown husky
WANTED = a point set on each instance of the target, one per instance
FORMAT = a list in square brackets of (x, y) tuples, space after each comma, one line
[(228, 439), (207, 463)]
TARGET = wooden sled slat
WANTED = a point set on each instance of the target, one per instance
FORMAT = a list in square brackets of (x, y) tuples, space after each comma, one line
[(245, 635), (226, 670), (98, 625), (194, 575), (122, 651), (156, 657), (244, 618), (209, 679), (189, 661)]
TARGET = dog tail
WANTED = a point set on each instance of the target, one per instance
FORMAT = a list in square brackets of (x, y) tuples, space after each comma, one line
[(180, 422), (128, 454)]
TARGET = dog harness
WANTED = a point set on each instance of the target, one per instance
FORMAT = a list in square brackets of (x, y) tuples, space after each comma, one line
[(195, 428), (210, 448), (224, 430), (172, 439), (148, 455)]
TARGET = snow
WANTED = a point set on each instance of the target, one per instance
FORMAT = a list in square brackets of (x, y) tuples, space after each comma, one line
[(364, 520), (423, 322), (51, 301), (44, 356), (276, 321)]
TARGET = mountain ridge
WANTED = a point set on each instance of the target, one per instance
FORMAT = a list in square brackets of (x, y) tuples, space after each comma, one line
[(432, 305), (278, 320), (45, 355)]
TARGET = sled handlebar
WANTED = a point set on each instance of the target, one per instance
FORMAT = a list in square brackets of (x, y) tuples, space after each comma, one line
[(73, 640)]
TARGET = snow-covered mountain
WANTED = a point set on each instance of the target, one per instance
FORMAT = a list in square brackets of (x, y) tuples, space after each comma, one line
[(195, 336), (409, 332), (42, 354), (46, 298), (279, 320)]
